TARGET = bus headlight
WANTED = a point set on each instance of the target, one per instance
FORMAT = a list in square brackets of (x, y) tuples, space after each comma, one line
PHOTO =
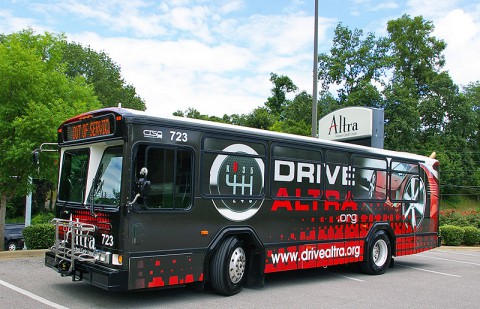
[(103, 257)]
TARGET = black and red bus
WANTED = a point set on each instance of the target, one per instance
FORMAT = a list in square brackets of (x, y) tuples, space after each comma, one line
[(152, 202)]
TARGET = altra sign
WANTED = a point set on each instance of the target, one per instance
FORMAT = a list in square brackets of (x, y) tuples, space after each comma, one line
[(345, 124)]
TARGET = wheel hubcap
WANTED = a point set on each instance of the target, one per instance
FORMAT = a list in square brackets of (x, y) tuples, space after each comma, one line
[(237, 265), (379, 253)]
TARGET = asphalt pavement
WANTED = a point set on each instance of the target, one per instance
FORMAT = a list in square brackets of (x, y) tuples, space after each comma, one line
[(446, 277)]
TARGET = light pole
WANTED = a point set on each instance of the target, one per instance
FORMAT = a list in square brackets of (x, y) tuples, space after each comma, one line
[(315, 73)]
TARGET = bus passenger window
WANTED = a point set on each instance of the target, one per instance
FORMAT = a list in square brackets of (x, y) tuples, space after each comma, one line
[(170, 175), (338, 175), (405, 182), (370, 178)]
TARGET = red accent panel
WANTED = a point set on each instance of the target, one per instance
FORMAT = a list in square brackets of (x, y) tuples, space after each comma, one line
[(156, 282)]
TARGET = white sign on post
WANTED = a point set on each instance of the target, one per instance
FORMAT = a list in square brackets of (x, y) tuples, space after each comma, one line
[(353, 124)]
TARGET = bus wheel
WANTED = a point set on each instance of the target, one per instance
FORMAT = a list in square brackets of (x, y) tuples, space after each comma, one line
[(378, 254), (228, 267)]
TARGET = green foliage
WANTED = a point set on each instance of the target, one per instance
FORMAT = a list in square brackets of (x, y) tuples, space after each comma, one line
[(451, 217), (37, 96), (460, 218), (43, 218), (282, 85), (472, 236), (451, 235), (354, 63), (460, 203), (195, 114), (292, 127), (103, 74), (259, 118), (40, 236), (424, 109), (403, 73), (468, 220)]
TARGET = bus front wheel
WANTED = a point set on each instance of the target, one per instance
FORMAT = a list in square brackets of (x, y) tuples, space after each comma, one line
[(378, 254), (228, 267)]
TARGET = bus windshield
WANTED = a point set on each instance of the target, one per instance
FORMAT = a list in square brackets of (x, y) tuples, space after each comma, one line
[(73, 176), (79, 163), (107, 181)]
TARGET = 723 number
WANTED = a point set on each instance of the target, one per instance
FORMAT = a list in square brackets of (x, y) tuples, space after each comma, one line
[(178, 136)]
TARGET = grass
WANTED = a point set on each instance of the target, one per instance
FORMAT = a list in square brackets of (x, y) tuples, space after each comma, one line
[(460, 203)]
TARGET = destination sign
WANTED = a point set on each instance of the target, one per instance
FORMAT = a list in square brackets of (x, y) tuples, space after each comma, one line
[(90, 128)]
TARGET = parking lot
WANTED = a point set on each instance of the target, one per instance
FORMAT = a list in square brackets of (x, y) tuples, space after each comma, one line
[(441, 278)]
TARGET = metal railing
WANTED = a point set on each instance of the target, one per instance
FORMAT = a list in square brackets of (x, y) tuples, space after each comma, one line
[(74, 240)]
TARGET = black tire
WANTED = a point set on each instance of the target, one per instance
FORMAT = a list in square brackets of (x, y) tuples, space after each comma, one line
[(378, 254), (228, 268)]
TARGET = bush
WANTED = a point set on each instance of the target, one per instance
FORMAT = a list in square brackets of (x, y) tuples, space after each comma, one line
[(473, 218), (451, 235), (40, 236), (453, 217), (43, 217), (471, 236)]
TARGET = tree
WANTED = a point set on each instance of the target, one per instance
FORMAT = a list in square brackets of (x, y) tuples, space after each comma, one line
[(281, 86), (472, 98), (261, 117), (100, 71), (432, 114), (418, 92), (356, 65), (403, 73), (195, 114), (35, 97), (296, 116)]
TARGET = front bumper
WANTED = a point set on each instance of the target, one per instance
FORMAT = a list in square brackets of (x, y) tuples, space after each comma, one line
[(99, 276)]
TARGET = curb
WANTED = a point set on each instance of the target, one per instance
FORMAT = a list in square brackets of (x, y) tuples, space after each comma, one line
[(459, 248), (22, 254)]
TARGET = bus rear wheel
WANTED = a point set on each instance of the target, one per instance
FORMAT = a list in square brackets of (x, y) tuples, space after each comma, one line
[(228, 267), (378, 254)]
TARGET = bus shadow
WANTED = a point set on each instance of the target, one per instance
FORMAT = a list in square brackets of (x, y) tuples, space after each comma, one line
[(96, 297), (307, 276)]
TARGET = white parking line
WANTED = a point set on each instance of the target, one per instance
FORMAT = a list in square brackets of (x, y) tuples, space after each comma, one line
[(429, 271), (449, 260), (346, 277), (31, 295), (457, 253)]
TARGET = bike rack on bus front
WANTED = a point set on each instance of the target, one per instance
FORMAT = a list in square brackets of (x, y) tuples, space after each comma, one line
[(73, 241)]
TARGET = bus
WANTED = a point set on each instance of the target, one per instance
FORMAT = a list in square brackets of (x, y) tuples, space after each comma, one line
[(149, 202)]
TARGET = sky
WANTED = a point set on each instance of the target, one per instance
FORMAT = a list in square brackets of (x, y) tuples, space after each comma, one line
[(217, 56)]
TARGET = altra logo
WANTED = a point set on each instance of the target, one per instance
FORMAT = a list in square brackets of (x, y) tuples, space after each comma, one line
[(342, 126), (239, 176)]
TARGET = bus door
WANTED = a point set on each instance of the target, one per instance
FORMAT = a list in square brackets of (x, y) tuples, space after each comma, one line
[(160, 220)]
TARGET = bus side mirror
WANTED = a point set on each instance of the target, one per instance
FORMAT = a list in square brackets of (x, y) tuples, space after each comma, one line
[(143, 184), (36, 156), (143, 189)]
